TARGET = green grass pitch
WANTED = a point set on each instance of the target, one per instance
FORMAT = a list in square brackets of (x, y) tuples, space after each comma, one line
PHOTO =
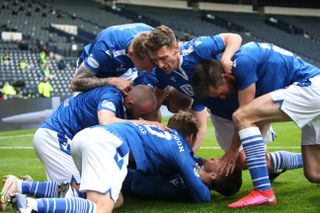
[(294, 193)]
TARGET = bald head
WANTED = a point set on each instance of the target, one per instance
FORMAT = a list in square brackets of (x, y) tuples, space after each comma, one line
[(141, 101)]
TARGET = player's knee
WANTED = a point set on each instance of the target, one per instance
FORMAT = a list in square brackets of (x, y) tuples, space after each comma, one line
[(238, 117), (103, 203), (312, 175)]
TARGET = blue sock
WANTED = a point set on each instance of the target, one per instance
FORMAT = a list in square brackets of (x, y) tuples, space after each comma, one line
[(71, 205), (285, 160), (40, 189), (254, 147)]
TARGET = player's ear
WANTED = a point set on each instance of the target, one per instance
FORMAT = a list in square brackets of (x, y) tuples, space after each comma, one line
[(229, 77), (130, 52), (191, 139), (213, 175), (128, 102), (176, 46)]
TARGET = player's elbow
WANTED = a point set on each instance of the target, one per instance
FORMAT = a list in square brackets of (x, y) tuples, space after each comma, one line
[(237, 37)]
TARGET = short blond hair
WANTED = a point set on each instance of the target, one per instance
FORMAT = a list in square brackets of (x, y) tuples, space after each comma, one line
[(139, 45), (185, 123)]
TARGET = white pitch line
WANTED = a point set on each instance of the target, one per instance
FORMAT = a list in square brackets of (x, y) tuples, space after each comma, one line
[(205, 147), (269, 147), (16, 147), (15, 136)]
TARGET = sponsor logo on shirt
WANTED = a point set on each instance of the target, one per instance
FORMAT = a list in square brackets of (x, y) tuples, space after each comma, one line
[(93, 62)]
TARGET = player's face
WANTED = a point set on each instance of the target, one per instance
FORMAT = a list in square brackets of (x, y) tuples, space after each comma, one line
[(145, 64), (166, 58), (222, 91)]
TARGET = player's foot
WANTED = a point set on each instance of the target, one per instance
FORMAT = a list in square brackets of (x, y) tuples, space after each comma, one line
[(274, 175), (19, 203), (9, 187), (65, 190), (255, 198)]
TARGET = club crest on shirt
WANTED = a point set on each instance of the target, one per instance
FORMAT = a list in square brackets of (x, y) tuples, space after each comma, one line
[(93, 62)]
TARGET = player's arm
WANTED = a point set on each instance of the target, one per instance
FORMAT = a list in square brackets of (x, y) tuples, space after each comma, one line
[(202, 117), (107, 117), (85, 80), (199, 191), (186, 166), (232, 43), (229, 159)]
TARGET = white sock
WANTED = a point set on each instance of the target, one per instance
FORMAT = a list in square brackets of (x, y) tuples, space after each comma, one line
[(19, 186), (32, 203)]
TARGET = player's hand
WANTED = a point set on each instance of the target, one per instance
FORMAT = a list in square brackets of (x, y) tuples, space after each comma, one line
[(228, 162), (226, 64), (124, 85)]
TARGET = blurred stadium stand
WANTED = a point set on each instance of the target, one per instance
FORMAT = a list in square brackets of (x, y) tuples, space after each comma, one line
[(36, 20)]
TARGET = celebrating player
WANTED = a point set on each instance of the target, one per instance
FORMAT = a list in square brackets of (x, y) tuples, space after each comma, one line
[(286, 87), (106, 61)]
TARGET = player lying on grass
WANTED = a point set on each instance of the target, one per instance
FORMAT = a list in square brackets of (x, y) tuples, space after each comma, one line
[(101, 154)]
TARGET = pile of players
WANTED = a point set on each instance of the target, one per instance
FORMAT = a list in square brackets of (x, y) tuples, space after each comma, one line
[(106, 141)]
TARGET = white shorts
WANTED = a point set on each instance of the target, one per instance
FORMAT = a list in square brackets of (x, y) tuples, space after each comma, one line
[(58, 165), (302, 105), (102, 160), (224, 129)]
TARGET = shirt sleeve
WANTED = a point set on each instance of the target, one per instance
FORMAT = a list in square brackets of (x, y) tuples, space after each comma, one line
[(197, 107), (208, 47), (244, 70), (109, 101), (98, 59), (187, 168)]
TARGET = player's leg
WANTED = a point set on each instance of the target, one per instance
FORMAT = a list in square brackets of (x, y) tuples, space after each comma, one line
[(277, 162), (245, 119), (311, 159), (22, 203), (102, 159), (94, 151), (310, 136), (59, 166)]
